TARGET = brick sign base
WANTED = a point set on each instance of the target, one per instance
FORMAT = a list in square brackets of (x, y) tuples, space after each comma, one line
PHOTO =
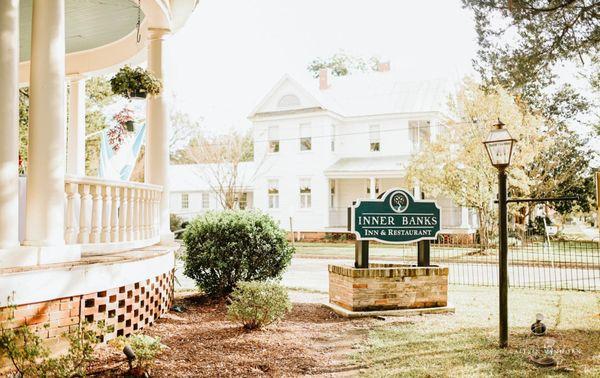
[(388, 287)]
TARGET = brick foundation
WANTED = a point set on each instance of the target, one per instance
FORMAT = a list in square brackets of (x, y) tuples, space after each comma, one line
[(123, 309), (388, 287)]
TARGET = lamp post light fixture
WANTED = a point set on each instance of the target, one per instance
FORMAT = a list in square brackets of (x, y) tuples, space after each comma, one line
[(499, 146)]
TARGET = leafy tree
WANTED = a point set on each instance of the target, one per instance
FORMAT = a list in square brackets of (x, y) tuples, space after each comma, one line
[(455, 164), (523, 43), (563, 169), (98, 96), (342, 64)]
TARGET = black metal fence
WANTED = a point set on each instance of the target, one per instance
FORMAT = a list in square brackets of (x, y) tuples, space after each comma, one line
[(534, 262)]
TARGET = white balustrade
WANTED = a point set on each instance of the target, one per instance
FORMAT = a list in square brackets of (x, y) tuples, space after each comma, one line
[(104, 215)]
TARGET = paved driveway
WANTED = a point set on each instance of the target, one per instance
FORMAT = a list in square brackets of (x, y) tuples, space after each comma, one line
[(311, 274)]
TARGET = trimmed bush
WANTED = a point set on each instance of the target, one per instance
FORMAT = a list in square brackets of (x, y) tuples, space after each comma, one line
[(224, 248), (256, 304)]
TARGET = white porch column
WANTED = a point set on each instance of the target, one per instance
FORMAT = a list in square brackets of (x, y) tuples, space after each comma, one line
[(76, 128), (9, 123), (44, 225), (157, 139), (372, 188)]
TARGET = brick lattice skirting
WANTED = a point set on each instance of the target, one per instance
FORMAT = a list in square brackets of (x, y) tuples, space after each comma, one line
[(388, 287), (123, 309)]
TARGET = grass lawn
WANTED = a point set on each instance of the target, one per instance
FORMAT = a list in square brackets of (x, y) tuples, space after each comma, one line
[(465, 344)]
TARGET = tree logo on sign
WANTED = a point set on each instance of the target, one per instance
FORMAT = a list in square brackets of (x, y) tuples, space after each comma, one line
[(399, 202)]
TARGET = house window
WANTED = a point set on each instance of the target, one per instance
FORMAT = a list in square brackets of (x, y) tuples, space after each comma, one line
[(273, 194), (288, 101), (420, 133), (205, 204), (273, 139), (185, 201), (305, 138), (374, 137), (305, 194)]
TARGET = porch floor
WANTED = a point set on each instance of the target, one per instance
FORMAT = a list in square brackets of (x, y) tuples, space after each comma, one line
[(100, 258)]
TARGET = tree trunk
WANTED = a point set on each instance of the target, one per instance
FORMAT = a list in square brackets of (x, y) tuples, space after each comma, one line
[(483, 229)]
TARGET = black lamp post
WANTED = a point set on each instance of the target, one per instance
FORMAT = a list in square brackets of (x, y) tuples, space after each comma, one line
[(499, 145)]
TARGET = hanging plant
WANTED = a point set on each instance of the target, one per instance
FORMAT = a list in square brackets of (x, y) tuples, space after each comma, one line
[(135, 83), (116, 136), (125, 118), (124, 124)]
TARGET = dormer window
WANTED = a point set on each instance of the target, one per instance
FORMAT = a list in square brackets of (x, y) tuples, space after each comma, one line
[(289, 101)]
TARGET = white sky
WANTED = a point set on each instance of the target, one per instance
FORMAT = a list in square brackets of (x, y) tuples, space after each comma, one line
[(230, 53)]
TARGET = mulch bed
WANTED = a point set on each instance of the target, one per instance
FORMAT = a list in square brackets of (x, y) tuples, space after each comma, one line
[(311, 340)]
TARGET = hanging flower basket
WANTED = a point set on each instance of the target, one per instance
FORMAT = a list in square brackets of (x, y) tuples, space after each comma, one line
[(135, 83), (124, 125)]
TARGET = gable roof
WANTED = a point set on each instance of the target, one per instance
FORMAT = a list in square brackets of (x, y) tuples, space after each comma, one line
[(372, 93), (285, 79)]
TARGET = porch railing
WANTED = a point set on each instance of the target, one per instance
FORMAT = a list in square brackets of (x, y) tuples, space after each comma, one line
[(104, 216)]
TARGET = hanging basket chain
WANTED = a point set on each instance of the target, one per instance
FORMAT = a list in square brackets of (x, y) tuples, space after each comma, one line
[(139, 21)]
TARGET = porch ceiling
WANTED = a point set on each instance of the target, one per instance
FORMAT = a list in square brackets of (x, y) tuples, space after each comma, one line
[(89, 23), (364, 167)]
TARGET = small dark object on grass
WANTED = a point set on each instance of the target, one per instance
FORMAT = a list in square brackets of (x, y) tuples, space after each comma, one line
[(543, 361), (379, 317), (538, 328), (178, 309), (130, 354)]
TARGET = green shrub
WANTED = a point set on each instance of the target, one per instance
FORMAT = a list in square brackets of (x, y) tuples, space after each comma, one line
[(256, 304), (31, 358), (146, 349), (224, 248), (81, 351)]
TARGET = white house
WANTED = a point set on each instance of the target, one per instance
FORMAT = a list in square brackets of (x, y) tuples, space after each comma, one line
[(319, 147)]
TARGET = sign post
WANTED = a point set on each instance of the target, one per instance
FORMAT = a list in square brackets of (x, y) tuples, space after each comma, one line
[(423, 252)]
